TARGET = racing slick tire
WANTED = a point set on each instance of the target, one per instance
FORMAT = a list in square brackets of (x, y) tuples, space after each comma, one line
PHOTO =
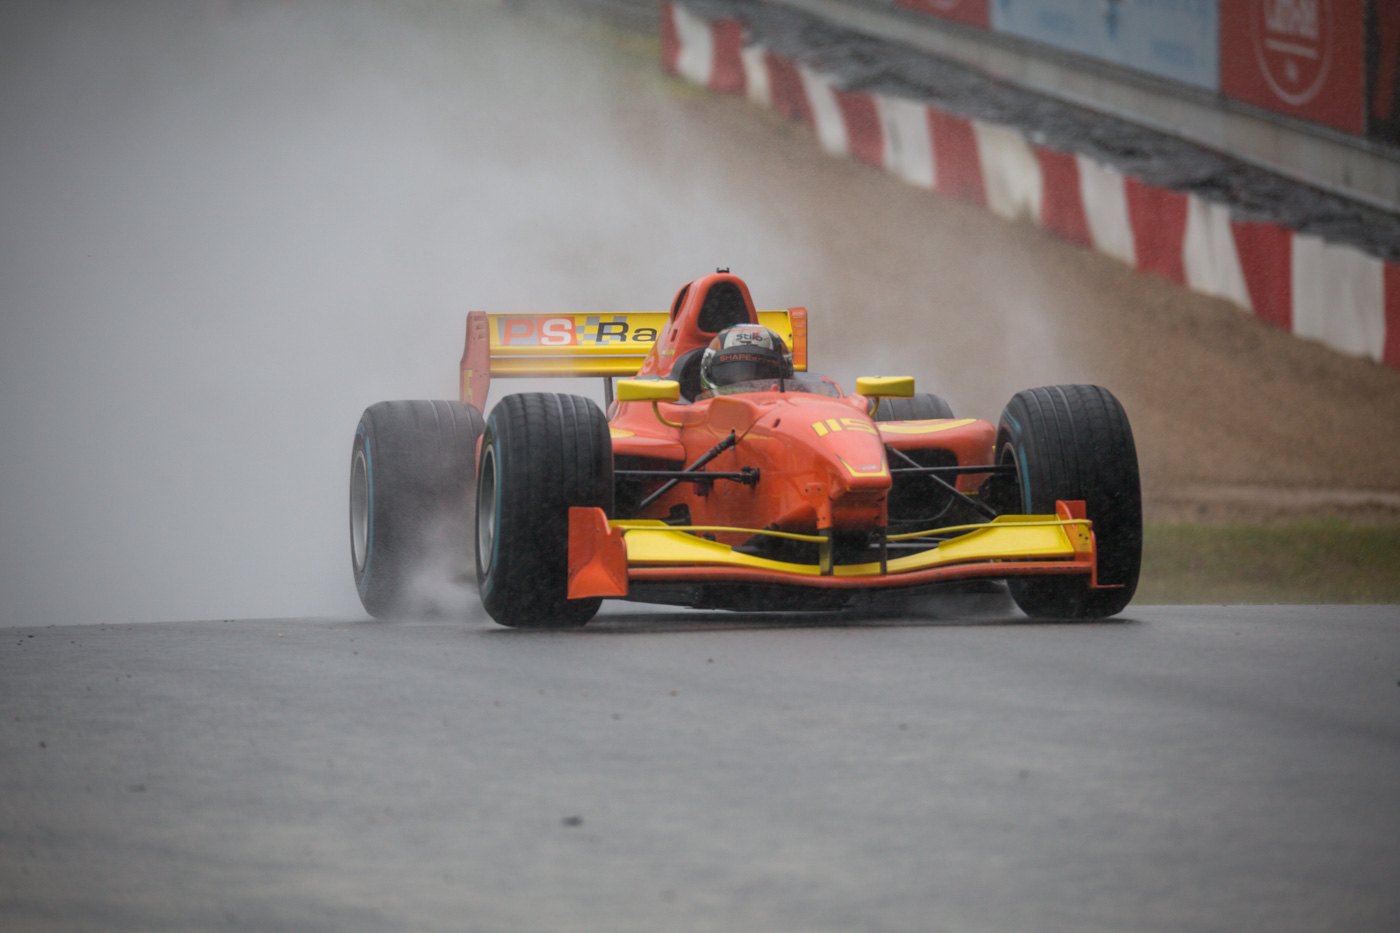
[(1074, 442), (412, 497), (542, 454), (922, 407)]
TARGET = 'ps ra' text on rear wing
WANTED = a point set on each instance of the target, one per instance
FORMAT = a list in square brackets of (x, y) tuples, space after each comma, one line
[(582, 345)]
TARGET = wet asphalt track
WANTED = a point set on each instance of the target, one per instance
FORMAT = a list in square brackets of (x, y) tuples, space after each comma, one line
[(1179, 769)]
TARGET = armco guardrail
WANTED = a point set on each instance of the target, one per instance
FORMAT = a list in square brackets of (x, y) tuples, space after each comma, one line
[(1333, 292)]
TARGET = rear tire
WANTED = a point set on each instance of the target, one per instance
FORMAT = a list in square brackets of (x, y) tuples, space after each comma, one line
[(924, 407), (412, 499), (1074, 442), (541, 455)]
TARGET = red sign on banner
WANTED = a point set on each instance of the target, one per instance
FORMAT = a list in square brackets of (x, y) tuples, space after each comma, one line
[(1305, 58), (973, 12)]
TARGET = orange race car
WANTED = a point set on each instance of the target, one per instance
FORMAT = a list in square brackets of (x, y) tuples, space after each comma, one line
[(723, 475)]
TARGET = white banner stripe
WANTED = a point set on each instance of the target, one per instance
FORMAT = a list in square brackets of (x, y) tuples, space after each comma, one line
[(1209, 254), (1106, 209), (1338, 296), (696, 60), (1011, 173), (756, 86), (831, 127), (908, 145)]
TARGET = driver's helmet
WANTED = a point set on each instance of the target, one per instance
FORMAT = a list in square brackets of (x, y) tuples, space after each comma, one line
[(744, 353)]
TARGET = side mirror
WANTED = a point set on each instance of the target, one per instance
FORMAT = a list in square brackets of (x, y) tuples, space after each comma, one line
[(885, 386), (651, 390), (648, 390), (878, 387)]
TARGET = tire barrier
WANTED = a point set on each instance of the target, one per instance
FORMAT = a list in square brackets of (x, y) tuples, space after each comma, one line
[(1333, 292)]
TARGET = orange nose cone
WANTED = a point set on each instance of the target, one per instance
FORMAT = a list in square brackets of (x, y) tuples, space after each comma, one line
[(857, 464), (860, 484)]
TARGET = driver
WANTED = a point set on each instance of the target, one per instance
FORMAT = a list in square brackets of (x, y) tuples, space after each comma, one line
[(744, 353)]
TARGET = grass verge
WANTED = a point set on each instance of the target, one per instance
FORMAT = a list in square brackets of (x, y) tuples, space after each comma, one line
[(1290, 562)]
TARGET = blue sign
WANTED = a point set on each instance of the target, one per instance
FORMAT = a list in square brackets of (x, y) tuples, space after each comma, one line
[(1174, 39)]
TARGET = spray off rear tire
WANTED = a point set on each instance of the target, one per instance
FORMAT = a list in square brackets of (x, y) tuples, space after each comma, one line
[(412, 498)]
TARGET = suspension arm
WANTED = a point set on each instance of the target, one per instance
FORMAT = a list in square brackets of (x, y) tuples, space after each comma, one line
[(1003, 469), (746, 475), (703, 459), (933, 474)]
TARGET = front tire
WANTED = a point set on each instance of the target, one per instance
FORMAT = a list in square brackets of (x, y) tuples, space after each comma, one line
[(1074, 442), (542, 454), (412, 498)]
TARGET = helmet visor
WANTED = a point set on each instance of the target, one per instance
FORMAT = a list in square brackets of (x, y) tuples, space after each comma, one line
[(731, 366)]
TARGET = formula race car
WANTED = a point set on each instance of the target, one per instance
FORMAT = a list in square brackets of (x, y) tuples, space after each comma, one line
[(724, 475)]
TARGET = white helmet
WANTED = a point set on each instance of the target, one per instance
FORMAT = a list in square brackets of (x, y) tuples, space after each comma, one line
[(743, 353)]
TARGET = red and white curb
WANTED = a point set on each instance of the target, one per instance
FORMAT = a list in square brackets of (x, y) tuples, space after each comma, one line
[(1337, 294)]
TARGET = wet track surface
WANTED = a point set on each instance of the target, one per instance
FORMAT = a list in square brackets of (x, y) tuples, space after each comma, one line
[(1177, 769)]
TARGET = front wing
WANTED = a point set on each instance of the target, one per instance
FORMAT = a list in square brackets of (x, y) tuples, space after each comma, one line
[(605, 557)]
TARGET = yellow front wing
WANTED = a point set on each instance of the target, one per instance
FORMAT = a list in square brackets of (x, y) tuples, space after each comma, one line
[(1006, 538)]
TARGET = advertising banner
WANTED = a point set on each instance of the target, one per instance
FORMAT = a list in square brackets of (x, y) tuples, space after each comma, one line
[(1174, 39), (972, 12), (1304, 58)]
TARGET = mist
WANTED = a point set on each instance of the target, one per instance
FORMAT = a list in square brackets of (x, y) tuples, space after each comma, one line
[(227, 227)]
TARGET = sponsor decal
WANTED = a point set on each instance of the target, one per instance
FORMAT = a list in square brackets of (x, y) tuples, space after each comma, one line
[(1290, 43), (748, 335), (591, 330), (742, 356), (1305, 58), (832, 425)]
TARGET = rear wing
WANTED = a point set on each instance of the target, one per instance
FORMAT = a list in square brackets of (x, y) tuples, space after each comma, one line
[(606, 345)]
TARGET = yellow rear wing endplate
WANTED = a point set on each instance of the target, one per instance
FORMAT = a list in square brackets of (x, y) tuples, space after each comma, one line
[(581, 345)]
